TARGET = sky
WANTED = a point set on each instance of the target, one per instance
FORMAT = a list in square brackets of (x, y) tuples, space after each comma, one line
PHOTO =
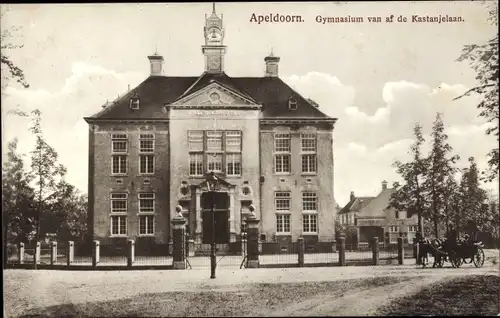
[(378, 79)]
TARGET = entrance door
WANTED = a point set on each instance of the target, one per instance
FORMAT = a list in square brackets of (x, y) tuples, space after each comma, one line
[(215, 222)]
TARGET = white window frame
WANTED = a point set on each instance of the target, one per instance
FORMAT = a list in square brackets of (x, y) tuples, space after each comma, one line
[(280, 219), (194, 138), (230, 159), (198, 155), (147, 226), (308, 210), (279, 210), (118, 196), (119, 165), (308, 216), (234, 141), (146, 196), (393, 234), (119, 138), (214, 135), (119, 217), (147, 137), (280, 152), (147, 157), (308, 153), (210, 160)]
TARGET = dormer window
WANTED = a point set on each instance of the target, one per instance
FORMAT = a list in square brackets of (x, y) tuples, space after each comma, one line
[(134, 102), (292, 104)]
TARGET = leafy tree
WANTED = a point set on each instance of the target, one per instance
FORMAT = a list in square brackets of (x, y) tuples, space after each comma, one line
[(18, 212), (440, 169), (474, 199), (410, 196), (46, 171), (9, 69), (484, 60)]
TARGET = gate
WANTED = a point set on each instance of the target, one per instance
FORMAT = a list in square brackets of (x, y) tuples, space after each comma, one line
[(228, 255)]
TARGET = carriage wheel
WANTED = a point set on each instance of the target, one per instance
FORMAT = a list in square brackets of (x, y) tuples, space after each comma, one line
[(440, 261), (478, 259), (456, 261)]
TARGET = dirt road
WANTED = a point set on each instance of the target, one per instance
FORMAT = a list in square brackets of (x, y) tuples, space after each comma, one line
[(26, 289)]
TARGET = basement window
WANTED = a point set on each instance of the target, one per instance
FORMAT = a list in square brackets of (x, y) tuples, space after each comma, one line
[(134, 102), (292, 104)]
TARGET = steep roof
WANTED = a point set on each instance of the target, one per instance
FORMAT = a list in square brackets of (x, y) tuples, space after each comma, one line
[(356, 204), (154, 92), (377, 206)]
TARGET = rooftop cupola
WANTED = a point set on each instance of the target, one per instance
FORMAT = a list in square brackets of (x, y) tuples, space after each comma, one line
[(156, 62), (272, 64)]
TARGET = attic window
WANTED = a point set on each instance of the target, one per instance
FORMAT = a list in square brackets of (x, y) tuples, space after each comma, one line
[(134, 102), (292, 104)]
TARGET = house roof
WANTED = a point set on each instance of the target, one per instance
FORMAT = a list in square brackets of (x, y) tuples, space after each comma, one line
[(377, 206), (156, 91), (356, 204)]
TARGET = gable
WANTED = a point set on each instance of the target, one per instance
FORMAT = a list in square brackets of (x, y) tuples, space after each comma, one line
[(215, 95)]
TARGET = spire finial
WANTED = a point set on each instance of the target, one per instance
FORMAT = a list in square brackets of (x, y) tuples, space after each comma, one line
[(156, 49), (213, 7), (272, 52)]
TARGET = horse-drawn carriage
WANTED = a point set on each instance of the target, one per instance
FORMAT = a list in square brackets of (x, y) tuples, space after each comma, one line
[(464, 251)]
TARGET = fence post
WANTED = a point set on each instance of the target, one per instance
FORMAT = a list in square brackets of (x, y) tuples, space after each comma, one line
[(342, 251), (252, 240), (21, 253), (37, 254), (179, 239), (375, 249), (95, 253), (53, 253), (70, 252), (300, 243), (401, 251), (243, 243), (130, 252)]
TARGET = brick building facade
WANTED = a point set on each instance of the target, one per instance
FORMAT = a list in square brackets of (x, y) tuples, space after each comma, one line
[(150, 150)]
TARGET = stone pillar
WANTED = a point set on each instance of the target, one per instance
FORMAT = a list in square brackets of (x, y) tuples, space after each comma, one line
[(191, 247), (198, 217), (358, 237), (21, 253), (179, 239), (252, 240), (37, 253), (95, 253), (401, 252), (342, 251), (375, 250), (53, 252), (130, 253), (300, 245), (70, 253), (232, 229)]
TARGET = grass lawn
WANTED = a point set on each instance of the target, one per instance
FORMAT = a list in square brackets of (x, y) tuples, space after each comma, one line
[(469, 295), (249, 300)]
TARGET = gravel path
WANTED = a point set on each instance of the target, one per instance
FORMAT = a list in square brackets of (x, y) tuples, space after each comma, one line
[(25, 289)]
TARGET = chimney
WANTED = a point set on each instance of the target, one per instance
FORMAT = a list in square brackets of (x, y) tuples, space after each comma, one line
[(156, 62), (384, 185), (352, 196), (271, 65)]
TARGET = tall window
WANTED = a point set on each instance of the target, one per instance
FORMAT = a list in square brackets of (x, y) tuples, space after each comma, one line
[(146, 150), (118, 214), (412, 233), (146, 164), (215, 150), (233, 153), (309, 212), (282, 153), (146, 213), (119, 149), (282, 206), (308, 156), (393, 234)]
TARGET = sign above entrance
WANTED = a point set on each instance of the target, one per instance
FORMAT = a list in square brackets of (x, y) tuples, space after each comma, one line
[(370, 222), (213, 113)]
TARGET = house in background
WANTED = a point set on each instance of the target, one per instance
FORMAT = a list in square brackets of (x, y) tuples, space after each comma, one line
[(378, 219), (346, 219)]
